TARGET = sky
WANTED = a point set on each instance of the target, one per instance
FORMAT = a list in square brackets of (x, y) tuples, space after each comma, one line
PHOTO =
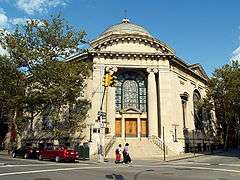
[(200, 31)]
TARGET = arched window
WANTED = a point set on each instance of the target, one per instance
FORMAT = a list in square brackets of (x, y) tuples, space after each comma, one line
[(130, 94), (198, 119), (131, 91)]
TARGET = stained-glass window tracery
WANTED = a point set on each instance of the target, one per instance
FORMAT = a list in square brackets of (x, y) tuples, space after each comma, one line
[(131, 91)]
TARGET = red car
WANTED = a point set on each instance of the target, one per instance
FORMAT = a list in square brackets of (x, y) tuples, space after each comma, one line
[(58, 153)]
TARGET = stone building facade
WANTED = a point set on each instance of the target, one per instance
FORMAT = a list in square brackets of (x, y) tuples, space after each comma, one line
[(155, 89)]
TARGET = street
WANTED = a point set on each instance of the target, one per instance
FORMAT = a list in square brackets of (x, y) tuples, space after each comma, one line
[(219, 166)]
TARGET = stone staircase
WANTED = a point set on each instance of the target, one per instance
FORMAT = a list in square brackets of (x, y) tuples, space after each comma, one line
[(138, 149)]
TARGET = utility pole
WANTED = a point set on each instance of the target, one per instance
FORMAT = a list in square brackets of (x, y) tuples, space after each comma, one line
[(108, 80), (101, 151), (193, 142), (164, 147), (101, 141)]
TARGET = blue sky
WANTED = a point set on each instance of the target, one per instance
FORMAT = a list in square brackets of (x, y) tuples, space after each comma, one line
[(200, 31)]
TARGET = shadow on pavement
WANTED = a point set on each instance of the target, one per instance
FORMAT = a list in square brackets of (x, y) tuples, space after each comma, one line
[(115, 176)]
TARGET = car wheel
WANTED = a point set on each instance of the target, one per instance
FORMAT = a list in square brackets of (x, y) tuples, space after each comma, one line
[(13, 154), (40, 158), (57, 159), (26, 156)]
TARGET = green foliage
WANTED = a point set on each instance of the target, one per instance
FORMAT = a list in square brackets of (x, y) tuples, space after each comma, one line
[(224, 90), (37, 52), (11, 83)]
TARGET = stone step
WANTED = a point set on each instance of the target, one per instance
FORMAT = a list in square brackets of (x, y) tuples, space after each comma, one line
[(143, 148)]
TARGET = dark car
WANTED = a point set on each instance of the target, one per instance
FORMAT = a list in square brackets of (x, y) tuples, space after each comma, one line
[(26, 152), (58, 153)]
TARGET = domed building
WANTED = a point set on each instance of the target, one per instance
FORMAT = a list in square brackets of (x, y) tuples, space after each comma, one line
[(153, 98)]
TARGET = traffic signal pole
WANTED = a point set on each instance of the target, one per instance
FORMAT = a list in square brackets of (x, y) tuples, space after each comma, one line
[(108, 80), (101, 149), (104, 90)]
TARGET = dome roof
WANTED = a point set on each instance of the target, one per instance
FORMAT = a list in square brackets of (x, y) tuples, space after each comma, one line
[(125, 27)]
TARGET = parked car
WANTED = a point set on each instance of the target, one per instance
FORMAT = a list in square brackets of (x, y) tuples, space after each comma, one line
[(58, 153), (25, 152)]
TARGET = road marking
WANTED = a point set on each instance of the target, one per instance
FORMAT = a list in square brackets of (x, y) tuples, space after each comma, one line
[(233, 165), (97, 167), (207, 164), (39, 165), (19, 159), (50, 170), (192, 167), (190, 163)]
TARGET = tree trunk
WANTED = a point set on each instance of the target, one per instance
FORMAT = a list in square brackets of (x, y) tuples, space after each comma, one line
[(226, 139)]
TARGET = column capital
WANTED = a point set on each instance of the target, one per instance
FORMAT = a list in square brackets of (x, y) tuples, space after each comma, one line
[(152, 69), (111, 69)]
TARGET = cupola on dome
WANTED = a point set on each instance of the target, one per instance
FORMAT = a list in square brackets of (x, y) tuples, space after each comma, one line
[(125, 27)]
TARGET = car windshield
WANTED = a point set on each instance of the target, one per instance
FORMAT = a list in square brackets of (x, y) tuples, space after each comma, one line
[(62, 148)]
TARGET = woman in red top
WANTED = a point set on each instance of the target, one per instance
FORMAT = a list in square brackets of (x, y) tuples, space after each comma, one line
[(118, 152)]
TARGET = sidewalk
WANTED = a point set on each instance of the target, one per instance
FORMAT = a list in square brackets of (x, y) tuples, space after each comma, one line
[(4, 153), (172, 158)]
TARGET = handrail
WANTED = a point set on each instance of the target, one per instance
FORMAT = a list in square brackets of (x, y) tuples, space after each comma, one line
[(156, 140), (109, 145)]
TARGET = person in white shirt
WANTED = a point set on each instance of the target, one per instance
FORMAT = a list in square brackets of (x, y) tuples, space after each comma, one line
[(118, 153)]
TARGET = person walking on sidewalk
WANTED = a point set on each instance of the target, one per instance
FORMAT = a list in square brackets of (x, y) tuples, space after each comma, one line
[(118, 153), (126, 156)]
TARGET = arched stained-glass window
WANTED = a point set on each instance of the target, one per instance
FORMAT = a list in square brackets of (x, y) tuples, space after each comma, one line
[(130, 94), (131, 91), (198, 119)]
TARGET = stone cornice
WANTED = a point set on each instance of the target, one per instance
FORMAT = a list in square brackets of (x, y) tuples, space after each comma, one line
[(173, 60), (131, 55), (111, 39), (177, 62)]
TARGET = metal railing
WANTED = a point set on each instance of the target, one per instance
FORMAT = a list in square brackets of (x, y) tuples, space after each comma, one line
[(156, 140), (109, 145)]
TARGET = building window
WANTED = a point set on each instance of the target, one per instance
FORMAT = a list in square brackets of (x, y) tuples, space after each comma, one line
[(131, 91), (46, 123), (130, 94), (198, 119), (184, 105), (184, 99)]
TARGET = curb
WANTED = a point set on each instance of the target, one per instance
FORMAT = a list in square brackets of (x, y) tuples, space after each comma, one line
[(192, 156), (188, 157)]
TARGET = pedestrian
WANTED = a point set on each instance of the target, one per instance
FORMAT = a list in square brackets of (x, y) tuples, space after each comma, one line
[(118, 153), (126, 156)]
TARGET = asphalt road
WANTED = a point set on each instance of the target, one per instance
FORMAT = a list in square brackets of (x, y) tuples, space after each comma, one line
[(220, 167)]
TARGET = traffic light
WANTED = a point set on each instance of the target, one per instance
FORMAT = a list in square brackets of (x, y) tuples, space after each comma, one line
[(109, 80), (105, 81), (112, 80)]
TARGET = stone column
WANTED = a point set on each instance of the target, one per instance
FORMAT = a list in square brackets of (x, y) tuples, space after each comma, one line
[(165, 98), (123, 127), (139, 127), (152, 102)]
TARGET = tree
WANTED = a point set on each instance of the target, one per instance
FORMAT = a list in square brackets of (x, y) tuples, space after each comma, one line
[(224, 90), (38, 49), (12, 89)]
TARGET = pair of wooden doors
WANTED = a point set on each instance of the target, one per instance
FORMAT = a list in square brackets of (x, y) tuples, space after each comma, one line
[(131, 127)]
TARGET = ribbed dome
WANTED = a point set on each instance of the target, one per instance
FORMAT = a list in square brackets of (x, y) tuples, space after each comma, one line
[(126, 28)]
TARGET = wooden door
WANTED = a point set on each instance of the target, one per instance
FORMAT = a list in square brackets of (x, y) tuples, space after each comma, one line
[(144, 128), (118, 129), (131, 127)]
